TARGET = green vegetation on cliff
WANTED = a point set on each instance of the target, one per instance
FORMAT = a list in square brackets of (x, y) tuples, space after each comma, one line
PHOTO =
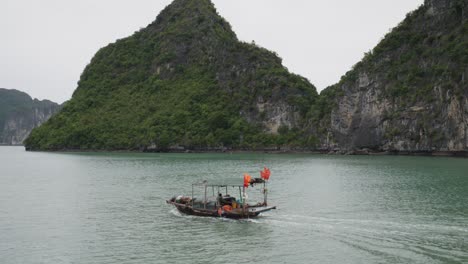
[(185, 80), (428, 48)]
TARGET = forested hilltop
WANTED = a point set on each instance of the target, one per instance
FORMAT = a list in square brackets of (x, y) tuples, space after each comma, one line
[(184, 81), (19, 114), (187, 82)]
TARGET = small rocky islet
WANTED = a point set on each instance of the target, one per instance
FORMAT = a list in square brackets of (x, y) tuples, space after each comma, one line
[(19, 114)]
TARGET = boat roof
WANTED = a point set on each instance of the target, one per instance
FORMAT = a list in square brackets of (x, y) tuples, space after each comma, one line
[(221, 183)]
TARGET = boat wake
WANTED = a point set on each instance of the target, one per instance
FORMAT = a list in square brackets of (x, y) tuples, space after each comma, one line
[(365, 234)]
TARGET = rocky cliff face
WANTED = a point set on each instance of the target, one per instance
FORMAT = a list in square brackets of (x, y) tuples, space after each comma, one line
[(410, 93), (19, 114)]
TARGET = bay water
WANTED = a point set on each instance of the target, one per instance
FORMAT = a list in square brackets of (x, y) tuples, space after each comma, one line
[(110, 208)]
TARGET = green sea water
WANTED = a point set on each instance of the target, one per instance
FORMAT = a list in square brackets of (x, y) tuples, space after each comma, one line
[(110, 208)]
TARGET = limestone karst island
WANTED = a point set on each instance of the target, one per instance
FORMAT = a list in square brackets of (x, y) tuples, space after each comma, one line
[(185, 82)]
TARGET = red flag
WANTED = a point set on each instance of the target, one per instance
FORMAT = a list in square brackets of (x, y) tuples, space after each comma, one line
[(265, 174)]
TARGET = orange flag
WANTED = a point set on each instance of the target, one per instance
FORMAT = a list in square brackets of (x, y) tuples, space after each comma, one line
[(247, 179)]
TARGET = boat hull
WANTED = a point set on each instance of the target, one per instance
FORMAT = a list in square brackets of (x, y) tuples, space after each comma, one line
[(239, 213)]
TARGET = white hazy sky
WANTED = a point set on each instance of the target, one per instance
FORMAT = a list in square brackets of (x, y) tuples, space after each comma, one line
[(46, 44)]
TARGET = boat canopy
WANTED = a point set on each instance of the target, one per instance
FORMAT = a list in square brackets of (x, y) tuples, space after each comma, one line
[(221, 183)]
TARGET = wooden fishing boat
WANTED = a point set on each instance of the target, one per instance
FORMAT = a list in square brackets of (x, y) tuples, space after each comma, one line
[(223, 204)]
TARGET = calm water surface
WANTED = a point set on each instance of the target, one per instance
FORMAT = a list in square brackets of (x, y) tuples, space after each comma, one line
[(110, 208)]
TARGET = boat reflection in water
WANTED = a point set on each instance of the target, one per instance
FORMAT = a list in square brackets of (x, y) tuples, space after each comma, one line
[(223, 204)]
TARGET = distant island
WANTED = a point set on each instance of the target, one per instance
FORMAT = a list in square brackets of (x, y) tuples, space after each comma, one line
[(19, 114), (185, 82)]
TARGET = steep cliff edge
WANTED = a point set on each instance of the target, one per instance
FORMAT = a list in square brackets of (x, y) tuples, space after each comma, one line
[(19, 114), (184, 82), (410, 93)]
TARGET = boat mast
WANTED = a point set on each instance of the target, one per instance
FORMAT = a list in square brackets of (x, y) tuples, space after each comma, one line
[(244, 201), (204, 204)]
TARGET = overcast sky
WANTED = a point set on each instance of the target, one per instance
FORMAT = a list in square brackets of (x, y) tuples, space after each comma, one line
[(46, 44)]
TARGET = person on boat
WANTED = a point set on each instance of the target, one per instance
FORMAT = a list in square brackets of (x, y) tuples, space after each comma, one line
[(220, 199)]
